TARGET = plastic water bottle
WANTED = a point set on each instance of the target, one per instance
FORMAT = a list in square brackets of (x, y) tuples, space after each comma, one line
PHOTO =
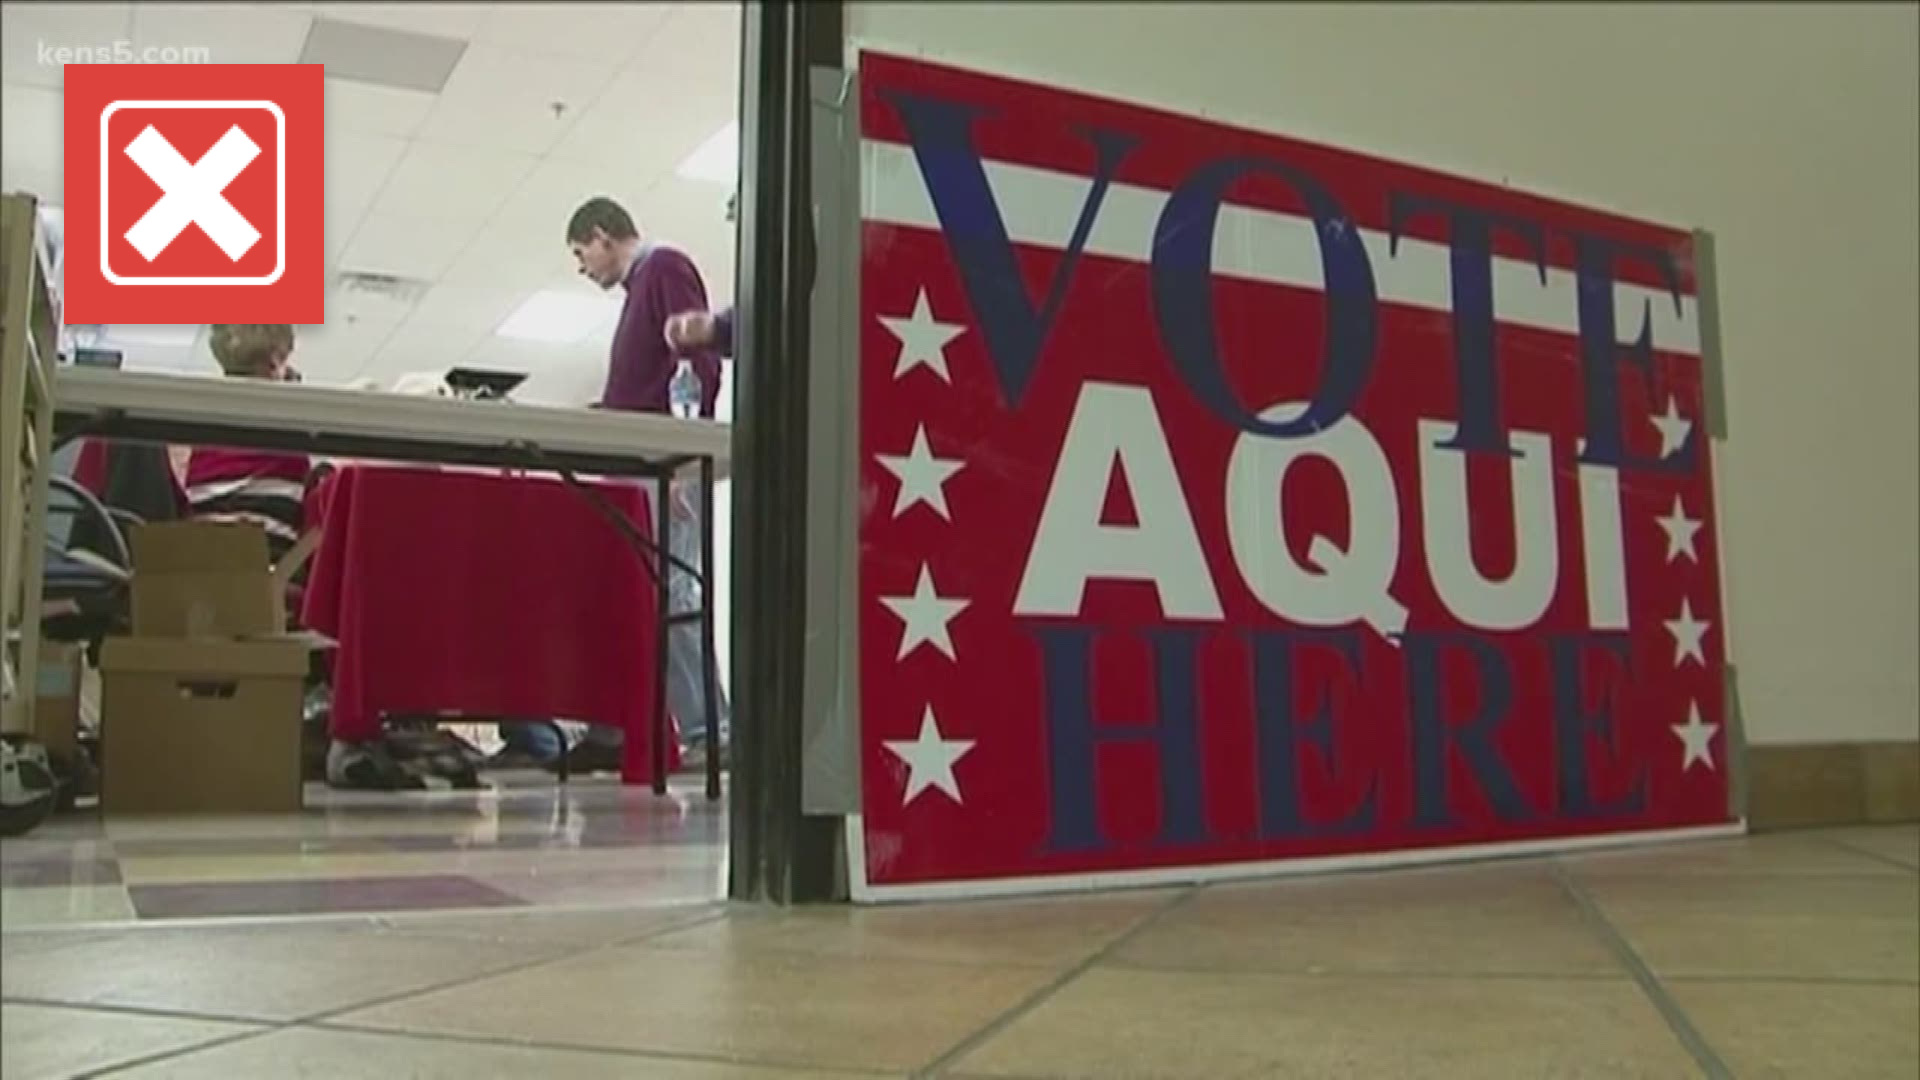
[(683, 393)]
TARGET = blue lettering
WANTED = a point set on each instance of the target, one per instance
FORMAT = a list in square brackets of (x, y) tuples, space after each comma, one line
[(1573, 725), (1602, 355), (1433, 735), (1470, 251), (1073, 736), (1183, 296), (1014, 330), (1281, 734)]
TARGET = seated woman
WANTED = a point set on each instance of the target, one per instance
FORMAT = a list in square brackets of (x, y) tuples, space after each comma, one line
[(252, 487)]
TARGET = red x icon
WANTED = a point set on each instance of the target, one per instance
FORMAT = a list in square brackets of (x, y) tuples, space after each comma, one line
[(194, 193)]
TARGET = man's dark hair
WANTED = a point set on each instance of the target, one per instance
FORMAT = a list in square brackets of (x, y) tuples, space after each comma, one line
[(603, 214)]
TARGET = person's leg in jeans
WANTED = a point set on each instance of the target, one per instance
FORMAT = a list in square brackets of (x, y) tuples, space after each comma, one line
[(532, 741), (686, 653)]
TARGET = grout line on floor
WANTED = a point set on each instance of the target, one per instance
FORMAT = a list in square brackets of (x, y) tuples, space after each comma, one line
[(1663, 1002), (1794, 980), (155, 1059), (343, 918), (318, 1019), (571, 952), (149, 1012), (673, 917), (504, 1042), (1885, 860), (939, 1065), (1438, 975), (720, 912), (46, 943)]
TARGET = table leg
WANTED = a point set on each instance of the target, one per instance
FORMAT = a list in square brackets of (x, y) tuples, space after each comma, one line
[(663, 544), (709, 660)]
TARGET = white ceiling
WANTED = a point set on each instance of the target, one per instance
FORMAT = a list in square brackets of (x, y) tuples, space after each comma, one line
[(468, 189)]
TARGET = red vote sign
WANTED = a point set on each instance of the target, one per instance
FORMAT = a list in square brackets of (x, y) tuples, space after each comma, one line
[(1232, 502)]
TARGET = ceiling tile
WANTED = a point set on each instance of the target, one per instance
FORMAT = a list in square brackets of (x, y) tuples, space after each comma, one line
[(336, 352), (692, 216), (382, 56), (697, 47), (514, 258), (583, 371), (447, 20), (610, 32), (505, 100), (597, 337), (634, 126), (686, 208), (571, 380), (231, 33), (351, 304), (25, 28), (30, 141), (409, 247), (357, 167), (421, 346), (718, 20), (376, 110), (453, 182), (554, 188), (482, 306), (683, 86)]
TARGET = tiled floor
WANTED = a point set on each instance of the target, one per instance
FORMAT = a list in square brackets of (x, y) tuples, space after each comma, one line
[(524, 842), (1788, 955)]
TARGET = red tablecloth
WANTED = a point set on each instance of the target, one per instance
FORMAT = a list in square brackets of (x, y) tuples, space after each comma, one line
[(486, 595)]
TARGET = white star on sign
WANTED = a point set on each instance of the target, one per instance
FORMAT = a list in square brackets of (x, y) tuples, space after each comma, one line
[(1680, 530), (922, 476), (1687, 635), (1674, 429), (923, 341), (1696, 739), (926, 615), (930, 759)]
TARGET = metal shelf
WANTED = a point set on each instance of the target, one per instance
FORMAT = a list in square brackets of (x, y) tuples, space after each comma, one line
[(28, 326), (37, 368)]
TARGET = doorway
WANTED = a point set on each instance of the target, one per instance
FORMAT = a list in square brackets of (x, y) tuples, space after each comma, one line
[(447, 192)]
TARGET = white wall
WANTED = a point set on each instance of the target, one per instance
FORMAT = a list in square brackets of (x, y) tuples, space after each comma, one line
[(1792, 133)]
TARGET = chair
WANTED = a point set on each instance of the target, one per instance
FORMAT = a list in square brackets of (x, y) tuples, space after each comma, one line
[(116, 487), (84, 595), (84, 599)]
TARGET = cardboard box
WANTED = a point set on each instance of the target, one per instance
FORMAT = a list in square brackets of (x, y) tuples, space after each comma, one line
[(56, 706), (202, 726), (204, 580)]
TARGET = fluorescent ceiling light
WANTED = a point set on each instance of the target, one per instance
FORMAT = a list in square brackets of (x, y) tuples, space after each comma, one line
[(558, 317), (717, 160)]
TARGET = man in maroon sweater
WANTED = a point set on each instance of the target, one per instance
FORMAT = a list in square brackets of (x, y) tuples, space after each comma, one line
[(660, 281)]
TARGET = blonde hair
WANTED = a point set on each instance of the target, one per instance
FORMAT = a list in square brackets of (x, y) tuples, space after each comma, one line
[(250, 350)]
